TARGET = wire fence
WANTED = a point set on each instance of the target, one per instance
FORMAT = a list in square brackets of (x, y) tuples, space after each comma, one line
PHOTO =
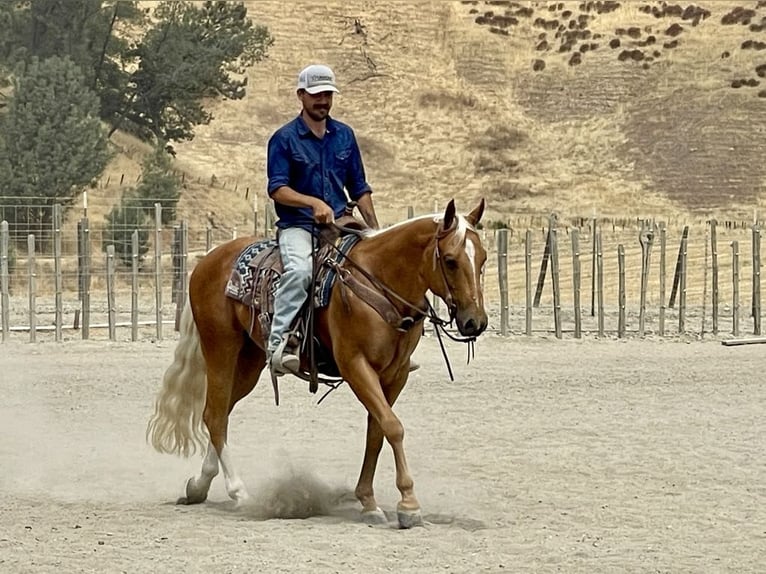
[(545, 276)]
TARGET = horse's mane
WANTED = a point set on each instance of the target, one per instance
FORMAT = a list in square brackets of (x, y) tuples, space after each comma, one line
[(459, 235)]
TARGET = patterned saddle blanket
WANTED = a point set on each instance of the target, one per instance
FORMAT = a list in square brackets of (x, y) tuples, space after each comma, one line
[(258, 269)]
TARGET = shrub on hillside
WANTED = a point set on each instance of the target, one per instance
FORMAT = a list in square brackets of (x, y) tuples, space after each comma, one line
[(121, 222), (159, 184)]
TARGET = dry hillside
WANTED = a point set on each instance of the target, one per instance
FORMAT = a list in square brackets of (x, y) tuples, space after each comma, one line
[(614, 108)]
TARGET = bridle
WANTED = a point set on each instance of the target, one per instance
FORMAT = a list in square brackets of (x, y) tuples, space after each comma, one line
[(449, 300)]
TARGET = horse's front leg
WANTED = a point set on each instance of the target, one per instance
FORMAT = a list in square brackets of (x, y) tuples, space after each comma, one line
[(383, 423), (408, 509)]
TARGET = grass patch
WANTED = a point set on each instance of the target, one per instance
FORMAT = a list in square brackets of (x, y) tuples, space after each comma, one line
[(446, 100)]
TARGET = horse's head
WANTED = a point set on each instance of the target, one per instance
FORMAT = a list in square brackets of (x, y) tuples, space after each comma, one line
[(459, 259)]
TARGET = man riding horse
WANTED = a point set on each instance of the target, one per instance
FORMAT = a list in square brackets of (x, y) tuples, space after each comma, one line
[(221, 353), (313, 160)]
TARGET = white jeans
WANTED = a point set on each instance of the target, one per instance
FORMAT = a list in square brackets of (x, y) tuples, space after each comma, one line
[(295, 246)]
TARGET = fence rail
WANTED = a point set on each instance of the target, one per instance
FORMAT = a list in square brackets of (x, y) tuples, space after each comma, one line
[(586, 276)]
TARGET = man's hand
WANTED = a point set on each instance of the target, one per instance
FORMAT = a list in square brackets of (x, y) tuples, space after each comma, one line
[(322, 213)]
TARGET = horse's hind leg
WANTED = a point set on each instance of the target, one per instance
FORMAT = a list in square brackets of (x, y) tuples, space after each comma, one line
[(220, 374), (216, 419), (230, 378), (371, 512), (198, 487)]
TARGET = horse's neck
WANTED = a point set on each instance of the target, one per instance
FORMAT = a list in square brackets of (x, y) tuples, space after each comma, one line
[(396, 256)]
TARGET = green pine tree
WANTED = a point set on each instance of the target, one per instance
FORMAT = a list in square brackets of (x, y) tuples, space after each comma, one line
[(52, 143)]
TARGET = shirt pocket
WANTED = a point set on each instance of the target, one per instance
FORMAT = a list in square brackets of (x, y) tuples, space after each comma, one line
[(303, 160), (343, 158), (305, 175)]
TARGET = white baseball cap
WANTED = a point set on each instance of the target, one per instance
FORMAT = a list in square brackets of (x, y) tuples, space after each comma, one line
[(317, 78)]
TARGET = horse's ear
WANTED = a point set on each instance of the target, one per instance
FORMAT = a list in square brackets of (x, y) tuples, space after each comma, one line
[(474, 217), (449, 215)]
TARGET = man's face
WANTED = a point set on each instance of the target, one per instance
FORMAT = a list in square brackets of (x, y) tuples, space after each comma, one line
[(317, 106)]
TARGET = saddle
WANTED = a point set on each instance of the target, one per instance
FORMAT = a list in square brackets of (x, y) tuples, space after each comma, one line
[(255, 278)]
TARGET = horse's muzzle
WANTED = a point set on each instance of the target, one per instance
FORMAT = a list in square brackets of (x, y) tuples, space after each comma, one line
[(471, 324)]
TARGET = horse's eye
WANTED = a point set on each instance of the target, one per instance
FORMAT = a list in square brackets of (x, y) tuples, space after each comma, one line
[(450, 263)]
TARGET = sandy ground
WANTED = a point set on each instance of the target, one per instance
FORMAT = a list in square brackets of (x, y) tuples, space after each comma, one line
[(542, 456)]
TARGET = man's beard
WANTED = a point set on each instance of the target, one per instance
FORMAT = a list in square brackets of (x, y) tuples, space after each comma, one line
[(318, 114)]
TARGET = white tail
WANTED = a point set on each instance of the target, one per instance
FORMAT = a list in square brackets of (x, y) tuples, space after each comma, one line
[(176, 426)]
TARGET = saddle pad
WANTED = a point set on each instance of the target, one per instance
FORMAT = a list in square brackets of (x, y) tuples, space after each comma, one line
[(243, 275), (248, 276)]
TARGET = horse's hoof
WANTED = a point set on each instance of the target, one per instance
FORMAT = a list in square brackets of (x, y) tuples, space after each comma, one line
[(193, 495), (374, 517), (242, 502), (409, 518)]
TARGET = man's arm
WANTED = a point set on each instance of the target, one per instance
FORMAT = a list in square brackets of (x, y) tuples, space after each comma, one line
[(358, 188), (366, 208), (288, 196)]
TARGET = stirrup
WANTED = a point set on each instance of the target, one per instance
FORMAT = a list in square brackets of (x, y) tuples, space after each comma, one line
[(281, 363)]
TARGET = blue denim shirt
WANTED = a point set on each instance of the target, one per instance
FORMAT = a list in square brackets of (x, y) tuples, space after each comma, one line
[(312, 166)]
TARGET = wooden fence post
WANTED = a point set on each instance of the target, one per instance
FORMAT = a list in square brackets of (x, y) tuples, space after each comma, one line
[(704, 285), (677, 274), (110, 300), (134, 261), (183, 255), (756, 280), (85, 273), (174, 264), (255, 215), (593, 229), (5, 298), (735, 288), (714, 261), (600, 284), (663, 276), (58, 282), (32, 266), (502, 277), (555, 280), (158, 268), (646, 239), (528, 282), (80, 250), (543, 269), (621, 291), (681, 271), (576, 282), (269, 223)]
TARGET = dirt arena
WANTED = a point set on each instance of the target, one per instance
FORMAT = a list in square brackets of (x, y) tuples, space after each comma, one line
[(543, 456)]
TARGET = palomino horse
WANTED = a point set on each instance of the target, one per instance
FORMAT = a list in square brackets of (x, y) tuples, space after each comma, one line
[(220, 353)]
